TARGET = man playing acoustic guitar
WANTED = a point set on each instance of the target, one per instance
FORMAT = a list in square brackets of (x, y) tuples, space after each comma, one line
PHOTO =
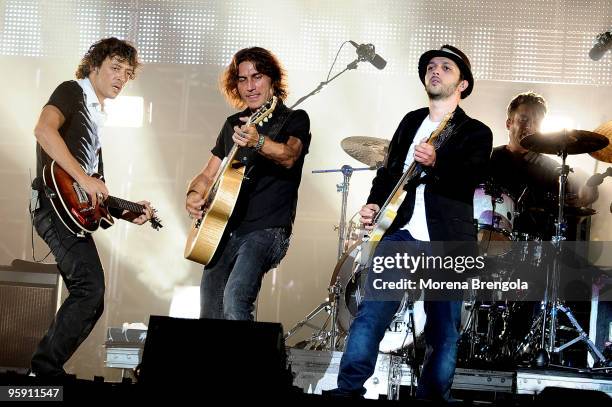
[(271, 153), (68, 135)]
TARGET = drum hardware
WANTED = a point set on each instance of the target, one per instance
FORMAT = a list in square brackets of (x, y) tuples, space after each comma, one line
[(486, 332), (343, 188), (323, 338), (494, 212), (327, 336), (560, 143)]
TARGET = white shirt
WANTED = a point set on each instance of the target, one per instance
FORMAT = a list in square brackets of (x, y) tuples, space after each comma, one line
[(417, 225), (95, 109)]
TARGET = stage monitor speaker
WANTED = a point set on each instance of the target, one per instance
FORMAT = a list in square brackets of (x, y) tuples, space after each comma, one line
[(28, 301), (215, 354)]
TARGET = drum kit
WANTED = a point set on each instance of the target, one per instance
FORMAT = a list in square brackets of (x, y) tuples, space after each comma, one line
[(486, 325)]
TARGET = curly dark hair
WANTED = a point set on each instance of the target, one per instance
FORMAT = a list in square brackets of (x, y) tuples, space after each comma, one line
[(107, 47), (265, 62), (530, 99)]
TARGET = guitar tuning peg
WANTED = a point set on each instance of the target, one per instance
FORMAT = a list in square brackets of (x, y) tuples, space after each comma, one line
[(261, 124), (270, 115)]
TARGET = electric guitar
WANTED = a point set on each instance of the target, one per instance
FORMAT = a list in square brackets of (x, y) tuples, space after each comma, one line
[(388, 212), (73, 205), (206, 233)]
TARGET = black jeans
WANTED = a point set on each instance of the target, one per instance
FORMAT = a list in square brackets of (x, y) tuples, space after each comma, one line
[(229, 288), (79, 264)]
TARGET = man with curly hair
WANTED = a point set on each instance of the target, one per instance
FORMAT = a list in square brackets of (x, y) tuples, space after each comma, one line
[(67, 131), (257, 235)]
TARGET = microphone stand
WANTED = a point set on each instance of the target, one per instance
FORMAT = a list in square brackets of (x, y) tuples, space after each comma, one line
[(352, 65)]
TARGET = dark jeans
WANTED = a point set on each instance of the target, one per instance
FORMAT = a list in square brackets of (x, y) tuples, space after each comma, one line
[(230, 286), (79, 264), (442, 328)]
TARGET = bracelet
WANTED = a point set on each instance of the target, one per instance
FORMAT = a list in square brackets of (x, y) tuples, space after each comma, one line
[(260, 143)]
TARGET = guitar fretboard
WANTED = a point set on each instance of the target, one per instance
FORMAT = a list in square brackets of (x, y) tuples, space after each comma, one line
[(123, 204)]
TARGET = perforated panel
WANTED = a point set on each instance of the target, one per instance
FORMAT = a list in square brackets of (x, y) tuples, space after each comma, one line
[(27, 312), (530, 41)]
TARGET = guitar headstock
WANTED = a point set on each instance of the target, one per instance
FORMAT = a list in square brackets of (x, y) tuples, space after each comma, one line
[(155, 221), (263, 112)]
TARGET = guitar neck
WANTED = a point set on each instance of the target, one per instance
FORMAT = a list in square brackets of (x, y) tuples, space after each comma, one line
[(414, 170), (119, 203)]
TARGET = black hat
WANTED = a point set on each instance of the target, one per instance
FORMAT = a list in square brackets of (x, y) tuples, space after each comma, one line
[(450, 52)]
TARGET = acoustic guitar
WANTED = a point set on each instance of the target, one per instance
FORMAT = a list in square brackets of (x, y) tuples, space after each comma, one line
[(206, 233)]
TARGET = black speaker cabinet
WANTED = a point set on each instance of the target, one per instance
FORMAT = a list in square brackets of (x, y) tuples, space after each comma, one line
[(28, 298), (215, 354)]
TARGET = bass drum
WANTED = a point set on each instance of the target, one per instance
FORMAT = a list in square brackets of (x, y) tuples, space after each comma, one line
[(350, 277)]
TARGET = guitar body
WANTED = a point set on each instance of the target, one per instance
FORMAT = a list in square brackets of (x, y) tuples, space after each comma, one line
[(385, 218), (206, 233), (73, 206)]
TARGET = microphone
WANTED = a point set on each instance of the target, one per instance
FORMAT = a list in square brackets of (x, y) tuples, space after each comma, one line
[(367, 52), (597, 179), (603, 44)]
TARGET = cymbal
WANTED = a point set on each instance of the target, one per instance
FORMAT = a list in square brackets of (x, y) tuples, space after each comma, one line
[(569, 141), (368, 150), (604, 154)]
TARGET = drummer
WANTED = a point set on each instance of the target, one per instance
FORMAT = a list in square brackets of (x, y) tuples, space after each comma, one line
[(532, 178)]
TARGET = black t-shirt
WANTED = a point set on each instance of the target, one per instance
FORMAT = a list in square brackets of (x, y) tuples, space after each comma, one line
[(79, 131), (531, 180), (269, 193)]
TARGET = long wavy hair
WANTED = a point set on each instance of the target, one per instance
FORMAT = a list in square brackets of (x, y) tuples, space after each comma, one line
[(265, 62)]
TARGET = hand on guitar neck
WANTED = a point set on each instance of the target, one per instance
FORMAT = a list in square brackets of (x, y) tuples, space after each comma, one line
[(425, 153), (139, 218)]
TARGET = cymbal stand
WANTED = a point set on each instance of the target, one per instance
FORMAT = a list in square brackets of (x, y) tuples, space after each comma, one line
[(556, 305), (329, 337), (347, 172)]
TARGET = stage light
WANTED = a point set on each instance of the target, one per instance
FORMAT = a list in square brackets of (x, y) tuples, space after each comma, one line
[(124, 111), (185, 302), (555, 122)]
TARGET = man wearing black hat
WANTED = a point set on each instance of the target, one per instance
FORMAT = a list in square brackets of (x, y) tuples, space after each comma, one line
[(437, 207)]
